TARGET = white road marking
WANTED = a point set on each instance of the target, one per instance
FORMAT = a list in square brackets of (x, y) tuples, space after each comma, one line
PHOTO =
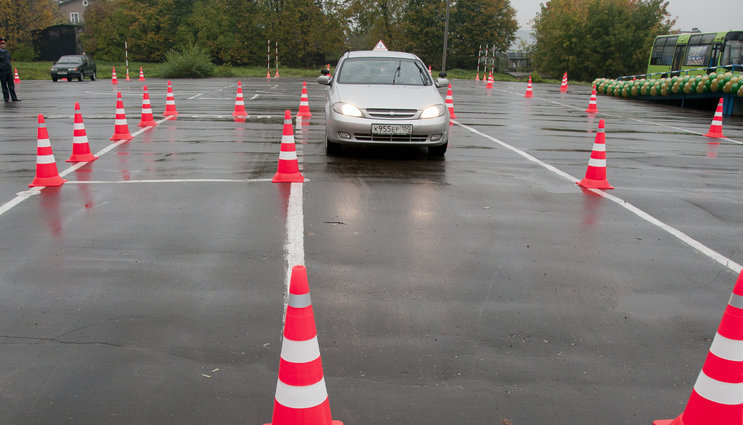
[(683, 237), (194, 96)]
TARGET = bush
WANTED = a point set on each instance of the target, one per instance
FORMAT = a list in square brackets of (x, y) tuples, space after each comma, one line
[(24, 54), (191, 61)]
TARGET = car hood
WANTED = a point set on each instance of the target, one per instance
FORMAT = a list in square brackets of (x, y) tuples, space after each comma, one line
[(66, 65), (384, 96)]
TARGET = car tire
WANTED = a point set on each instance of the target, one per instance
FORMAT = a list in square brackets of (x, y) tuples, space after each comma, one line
[(92, 76), (331, 148), (439, 150), (54, 79), (80, 78)]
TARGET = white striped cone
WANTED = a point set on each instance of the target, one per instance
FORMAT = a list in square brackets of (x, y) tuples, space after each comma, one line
[(592, 109), (717, 396), (239, 102), (301, 395), (489, 85), (715, 130), (277, 73), (596, 171), (80, 146), (114, 80), (170, 110), (141, 74), (529, 92), (16, 79), (450, 104), (304, 104), (121, 128), (477, 76), (147, 120), (288, 170), (564, 84), (46, 165)]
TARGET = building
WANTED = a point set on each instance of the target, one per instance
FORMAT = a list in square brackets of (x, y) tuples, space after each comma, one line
[(74, 10)]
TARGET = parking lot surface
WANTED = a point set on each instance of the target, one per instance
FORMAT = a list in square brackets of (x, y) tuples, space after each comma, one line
[(150, 288)]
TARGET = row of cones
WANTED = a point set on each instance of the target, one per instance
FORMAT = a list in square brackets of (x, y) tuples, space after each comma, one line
[(115, 80)]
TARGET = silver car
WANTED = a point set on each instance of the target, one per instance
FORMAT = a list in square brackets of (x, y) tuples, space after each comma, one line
[(384, 98)]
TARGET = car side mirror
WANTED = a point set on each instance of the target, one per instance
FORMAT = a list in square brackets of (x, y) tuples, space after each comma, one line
[(442, 82), (324, 79)]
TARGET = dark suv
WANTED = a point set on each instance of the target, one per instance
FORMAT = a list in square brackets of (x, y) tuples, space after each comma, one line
[(73, 66)]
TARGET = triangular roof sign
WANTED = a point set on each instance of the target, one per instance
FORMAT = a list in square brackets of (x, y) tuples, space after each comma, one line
[(380, 46)]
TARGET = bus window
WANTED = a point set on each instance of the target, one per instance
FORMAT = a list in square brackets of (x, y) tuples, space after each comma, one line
[(663, 50), (698, 55), (732, 54)]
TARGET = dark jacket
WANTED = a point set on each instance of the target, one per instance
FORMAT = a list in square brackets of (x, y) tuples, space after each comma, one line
[(5, 61)]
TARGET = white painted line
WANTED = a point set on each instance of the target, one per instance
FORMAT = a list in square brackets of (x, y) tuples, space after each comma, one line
[(170, 181), (683, 237), (294, 245), (255, 96), (194, 96)]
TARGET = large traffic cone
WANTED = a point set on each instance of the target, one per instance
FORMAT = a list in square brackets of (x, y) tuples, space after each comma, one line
[(46, 165), (301, 396), (596, 172), (288, 171), (147, 119), (239, 102), (16, 79), (592, 109), (450, 104), (277, 73), (564, 84), (716, 397), (114, 80), (304, 104), (490, 80), (715, 130), (268, 74), (528, 89), (141, 74), (170, 103), (121, 128), (80, 146)]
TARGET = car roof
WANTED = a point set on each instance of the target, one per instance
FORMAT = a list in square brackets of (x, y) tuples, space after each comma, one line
[(379, 54)]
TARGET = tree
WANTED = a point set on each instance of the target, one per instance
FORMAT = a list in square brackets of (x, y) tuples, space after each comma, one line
[(477, 22), (594, 38), (19, 18)]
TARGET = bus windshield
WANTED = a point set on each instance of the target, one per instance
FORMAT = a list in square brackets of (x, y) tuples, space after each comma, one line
[(733, 52)]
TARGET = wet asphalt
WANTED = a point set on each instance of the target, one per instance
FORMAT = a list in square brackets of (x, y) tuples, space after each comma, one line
[(150, 288)]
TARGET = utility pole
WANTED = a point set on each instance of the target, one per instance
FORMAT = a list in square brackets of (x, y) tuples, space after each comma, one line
[(446, 38)]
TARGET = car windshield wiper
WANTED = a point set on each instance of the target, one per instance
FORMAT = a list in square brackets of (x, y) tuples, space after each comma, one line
[(397, 73)]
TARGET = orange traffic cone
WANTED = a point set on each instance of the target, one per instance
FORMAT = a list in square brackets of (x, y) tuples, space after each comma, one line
[(329, 74), (592, 109), (46, 165), (596, 172), (564, 84), (239, 102), (127, 74), (301, 395), (716, 397), (304, 104), (114, 80), (450, 104), (141, 74), (147, 119), (277, 73), (121, 128), (268, 74), (528, 89), (170, 103), (490, 81), (80, 146), (715, 130), (288, 171), (16, 80)]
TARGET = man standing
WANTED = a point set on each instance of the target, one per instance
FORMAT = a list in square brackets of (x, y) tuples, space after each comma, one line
[(6, 74)]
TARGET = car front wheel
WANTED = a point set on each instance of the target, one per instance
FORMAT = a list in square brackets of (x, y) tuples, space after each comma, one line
[(331, 148), (92, 76), (54, 79), (439, 150)]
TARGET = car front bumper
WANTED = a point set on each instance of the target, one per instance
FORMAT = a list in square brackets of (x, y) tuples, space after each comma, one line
[(351, 130)]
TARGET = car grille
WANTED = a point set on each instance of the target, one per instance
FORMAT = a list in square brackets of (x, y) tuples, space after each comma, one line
[(389, 138), (392, 113)]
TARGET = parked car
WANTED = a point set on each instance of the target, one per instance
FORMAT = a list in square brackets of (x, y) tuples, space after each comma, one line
[(73, 66), (379, 97)]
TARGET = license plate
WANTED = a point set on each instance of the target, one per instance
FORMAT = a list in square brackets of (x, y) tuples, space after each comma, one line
[(61, 72), (393, 129)]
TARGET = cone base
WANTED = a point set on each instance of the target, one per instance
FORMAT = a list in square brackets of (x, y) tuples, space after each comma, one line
[(677, 421), (170, 114), (147, 124), (85, 157), (304, 114), (333, 421), (592, 111), (714, 135), (117, 137), (594, 184), (239, 114), (528, 95), (288, 178), (47, 181)]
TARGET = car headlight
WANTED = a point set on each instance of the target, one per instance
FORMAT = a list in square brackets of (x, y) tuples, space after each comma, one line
[(433, 111), (347, 109)]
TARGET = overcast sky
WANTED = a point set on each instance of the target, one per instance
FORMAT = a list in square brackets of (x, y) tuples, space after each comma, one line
[(712, 16)]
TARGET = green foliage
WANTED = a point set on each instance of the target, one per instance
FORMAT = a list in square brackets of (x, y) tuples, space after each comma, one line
[(24, 53), (18, 19), (191, 61), (590, 38)]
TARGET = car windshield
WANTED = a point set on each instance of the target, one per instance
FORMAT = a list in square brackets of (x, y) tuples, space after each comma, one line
[(70, 59), (397, 71)]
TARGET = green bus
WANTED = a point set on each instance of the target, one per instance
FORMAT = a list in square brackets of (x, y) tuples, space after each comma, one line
[(696, 53)]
